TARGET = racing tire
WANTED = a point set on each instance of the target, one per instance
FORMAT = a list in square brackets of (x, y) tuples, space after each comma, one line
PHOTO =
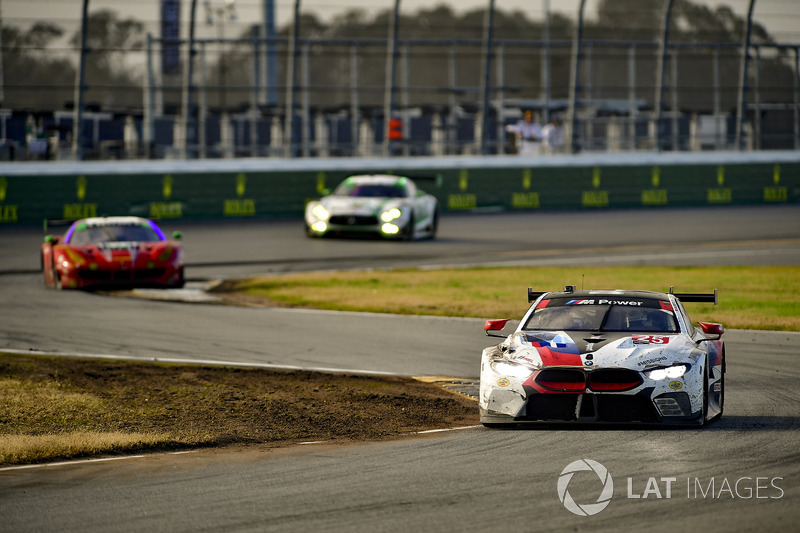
[(435, 224), (721, 391), (408, 232), (44, 272), (499, 425), (57, 280), (704, 414)]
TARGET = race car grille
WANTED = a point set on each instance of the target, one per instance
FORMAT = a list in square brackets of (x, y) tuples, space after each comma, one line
[(353, 220), (120, 275), (614, 379), (562, 379), (95, 275), (615, 408), (148, 273)]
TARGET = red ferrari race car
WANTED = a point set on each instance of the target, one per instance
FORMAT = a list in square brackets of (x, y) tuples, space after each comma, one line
[(112, 252)]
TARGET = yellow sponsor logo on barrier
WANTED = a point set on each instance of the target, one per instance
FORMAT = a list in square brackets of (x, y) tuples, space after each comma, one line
[(462, 201), (76, 211), (525, 200), (8, 213), (775, 194), (595, 199), (166, 210), (721, 195), (239, 208), (654, 197)]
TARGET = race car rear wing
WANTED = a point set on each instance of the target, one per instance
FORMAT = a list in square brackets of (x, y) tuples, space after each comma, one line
[(533, 295), (682, 296), (695, 296)]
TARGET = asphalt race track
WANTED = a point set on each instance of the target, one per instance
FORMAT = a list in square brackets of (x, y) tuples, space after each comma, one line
[(740, 473)]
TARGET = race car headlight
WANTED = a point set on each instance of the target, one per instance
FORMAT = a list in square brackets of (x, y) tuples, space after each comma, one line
[(391, 214), (390, 229), (670, 372), (320, 212), (511, 369)]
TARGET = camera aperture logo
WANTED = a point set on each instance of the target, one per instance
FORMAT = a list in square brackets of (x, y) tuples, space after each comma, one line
[(586, 509), (742, 488)]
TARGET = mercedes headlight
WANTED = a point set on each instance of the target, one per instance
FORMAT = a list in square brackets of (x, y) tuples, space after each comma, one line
[(391, 214), (512, 370), (669, 372), (320, 212)]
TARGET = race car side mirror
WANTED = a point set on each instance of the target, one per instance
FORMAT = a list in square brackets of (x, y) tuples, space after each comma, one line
[(177, 235), (495, 325), (52, 239), (711, 328)]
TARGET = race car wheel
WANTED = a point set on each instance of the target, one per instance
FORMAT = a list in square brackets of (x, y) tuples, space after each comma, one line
[(408, 232), (704, 417), (721, 390), (56, 280), (435, 224), (44, 272)]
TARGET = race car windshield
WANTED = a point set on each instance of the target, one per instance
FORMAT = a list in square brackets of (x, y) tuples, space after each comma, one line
[(124, 233), (370, 191), (603, 317)]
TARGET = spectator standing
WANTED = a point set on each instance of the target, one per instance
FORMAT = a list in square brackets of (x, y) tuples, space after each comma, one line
[(553, 135), (528, 133)]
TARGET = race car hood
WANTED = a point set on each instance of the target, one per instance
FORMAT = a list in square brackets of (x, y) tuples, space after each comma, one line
[(618, 350), (339, 205), (119, 252)]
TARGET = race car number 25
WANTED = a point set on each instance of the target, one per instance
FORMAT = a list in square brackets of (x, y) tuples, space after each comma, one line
[(650, 339)]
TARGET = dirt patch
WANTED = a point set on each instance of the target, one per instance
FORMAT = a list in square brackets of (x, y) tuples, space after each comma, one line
[(228, 293), (194, 406)]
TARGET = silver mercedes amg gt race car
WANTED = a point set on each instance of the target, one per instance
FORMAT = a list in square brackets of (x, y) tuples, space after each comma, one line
[(379, 204), (604, 357)]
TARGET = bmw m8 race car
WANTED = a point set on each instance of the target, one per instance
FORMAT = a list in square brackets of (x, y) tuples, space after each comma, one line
[(112, 252), (604, 356), (379, 204)]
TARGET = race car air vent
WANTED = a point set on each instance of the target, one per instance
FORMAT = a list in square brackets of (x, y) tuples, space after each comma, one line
[(624, 408), (562, 379), (551, 407), (614, 379), (353, 220)]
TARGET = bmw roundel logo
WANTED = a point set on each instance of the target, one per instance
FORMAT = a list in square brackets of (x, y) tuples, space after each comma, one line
[(588, 363)]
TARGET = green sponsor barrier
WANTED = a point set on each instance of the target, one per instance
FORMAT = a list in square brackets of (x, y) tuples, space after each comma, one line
[(198, 190)]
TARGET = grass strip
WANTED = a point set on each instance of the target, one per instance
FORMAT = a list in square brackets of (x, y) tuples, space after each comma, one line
[(755, 297)]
